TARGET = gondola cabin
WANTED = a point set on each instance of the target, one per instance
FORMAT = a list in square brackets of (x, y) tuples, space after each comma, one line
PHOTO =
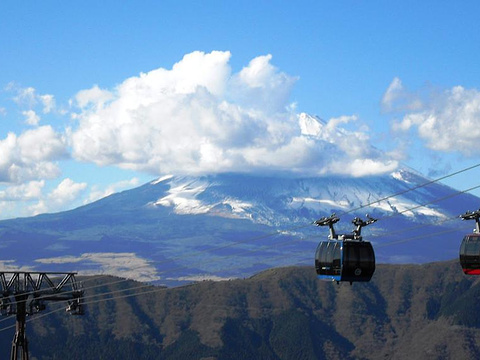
[(345, 257), (470, 247), (470, 254), (345, 260)]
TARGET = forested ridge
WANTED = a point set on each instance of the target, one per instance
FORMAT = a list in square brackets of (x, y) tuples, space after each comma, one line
[(425, 311)]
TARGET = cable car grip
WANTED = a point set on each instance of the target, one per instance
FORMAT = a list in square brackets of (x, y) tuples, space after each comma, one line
[(475, 215)]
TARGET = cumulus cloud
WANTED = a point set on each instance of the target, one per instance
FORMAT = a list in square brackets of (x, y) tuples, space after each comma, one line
[(29, 98), (24, 96), (345, 152), (66, 191), (31, 190), (98, 193), (31, 117), (397, 98), (60, 197), (448, 122), (94, 96), (35, 197), (48, 103), (199, 117), (31, 155)]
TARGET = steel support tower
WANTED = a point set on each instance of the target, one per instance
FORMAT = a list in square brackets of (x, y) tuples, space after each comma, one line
[(26, 293)]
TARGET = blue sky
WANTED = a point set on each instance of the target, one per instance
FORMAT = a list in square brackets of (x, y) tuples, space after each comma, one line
[(223, 86)]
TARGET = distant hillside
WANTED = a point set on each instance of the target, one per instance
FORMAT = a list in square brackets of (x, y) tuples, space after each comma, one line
[(426, 311), (195, 227)]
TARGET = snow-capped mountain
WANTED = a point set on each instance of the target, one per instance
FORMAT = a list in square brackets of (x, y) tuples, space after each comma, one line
[(183, 228)]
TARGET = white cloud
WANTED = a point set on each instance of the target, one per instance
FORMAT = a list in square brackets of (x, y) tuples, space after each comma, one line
[(94, 96), (362, 167), (29, 98), (345, 152), (260, 85), (31, 117), (35, 197), (394, 90), (31, 190), (449, 122), (397, 98), (31, 155), (66, 193), (32, 198), (48, 102), (97, 193), (198, 117), (41, 144), (25, 96)]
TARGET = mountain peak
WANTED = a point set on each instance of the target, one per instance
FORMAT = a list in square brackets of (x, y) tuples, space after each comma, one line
[(310, 125), (203, 223)]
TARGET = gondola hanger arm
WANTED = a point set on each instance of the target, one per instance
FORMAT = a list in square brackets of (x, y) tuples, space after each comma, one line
[(475, 215)]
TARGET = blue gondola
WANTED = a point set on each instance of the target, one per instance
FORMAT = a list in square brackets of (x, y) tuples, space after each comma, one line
[(345, 257)]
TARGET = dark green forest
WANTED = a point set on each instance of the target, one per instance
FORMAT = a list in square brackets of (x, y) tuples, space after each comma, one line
[(426, 311)]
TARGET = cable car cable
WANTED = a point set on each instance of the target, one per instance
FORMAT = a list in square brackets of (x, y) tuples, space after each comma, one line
[(291, 241), (279, 232), (163, 288), (411, 189), (430, 202), (385, 198)]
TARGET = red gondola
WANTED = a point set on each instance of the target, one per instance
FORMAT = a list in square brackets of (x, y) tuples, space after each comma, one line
[(470, 247)]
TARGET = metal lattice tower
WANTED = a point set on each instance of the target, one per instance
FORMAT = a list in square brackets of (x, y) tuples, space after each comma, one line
[(26, 293)]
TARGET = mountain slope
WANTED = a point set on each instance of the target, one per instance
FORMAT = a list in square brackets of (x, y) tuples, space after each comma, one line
[(233, 225), (406, 312)]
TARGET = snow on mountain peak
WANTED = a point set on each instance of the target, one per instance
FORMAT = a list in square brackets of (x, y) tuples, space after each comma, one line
[(310, 125), (160, 179), (317, 204), (182, 197), (220, 196)]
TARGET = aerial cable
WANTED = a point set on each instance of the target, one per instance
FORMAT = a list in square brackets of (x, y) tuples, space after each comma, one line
[(276, 244), (411, 189), (221, 247), (431, 202), (249, 251), (155, 290), (422, 225), (182, 267), (415, 238), (158, 289), (288, 241), (442, 221), (278, 232), (199, 252), (86, 303)]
